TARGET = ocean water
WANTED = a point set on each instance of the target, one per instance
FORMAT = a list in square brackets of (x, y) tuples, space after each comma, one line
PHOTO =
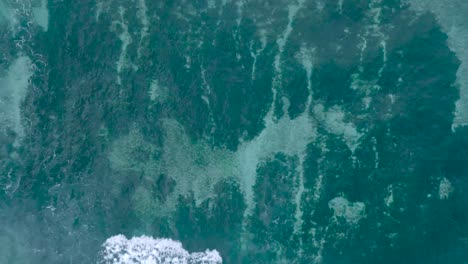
[(222, 131)]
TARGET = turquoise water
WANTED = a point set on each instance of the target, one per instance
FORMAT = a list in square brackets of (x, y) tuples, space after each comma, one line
[(307, 131)]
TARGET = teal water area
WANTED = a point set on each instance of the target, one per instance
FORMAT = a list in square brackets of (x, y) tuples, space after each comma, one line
[(307, 131)]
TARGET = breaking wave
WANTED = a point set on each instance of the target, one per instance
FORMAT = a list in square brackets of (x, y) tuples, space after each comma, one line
[(120, 250)]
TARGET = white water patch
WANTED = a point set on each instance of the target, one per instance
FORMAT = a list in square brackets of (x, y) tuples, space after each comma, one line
[(318, 188), (157, 92), (334, 121), (299, 192), (281, 42), (288, 136), (297, 200), (13, 88), (254, 55), (452, 16), (205, 86), (206, 98), (351, 212), (120, 250), (11, 184), (292, 11), (194, 166), (125, 39), (389, 199), (365, 87), (197, 166), (142, 15), (41, 14), (445, 188), (373, 30), (188, 62), (376, 153), (306, 57), (363, 47)]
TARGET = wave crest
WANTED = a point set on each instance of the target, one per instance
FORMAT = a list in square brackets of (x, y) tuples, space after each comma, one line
[(120, 250)]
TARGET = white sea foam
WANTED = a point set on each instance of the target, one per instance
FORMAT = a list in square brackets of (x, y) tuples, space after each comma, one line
[(334, 121), (126, 40), (120, 250), (290, 136), (351, 212), (196, 166), (142, 15), (254, 55), (306, 58), (157, 92), (293, 9), (445, 188), (13, 89), (451, 15), (389, 199), (372, 31)]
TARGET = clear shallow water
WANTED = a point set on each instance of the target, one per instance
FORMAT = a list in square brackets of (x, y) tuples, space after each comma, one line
[(252, 131)]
